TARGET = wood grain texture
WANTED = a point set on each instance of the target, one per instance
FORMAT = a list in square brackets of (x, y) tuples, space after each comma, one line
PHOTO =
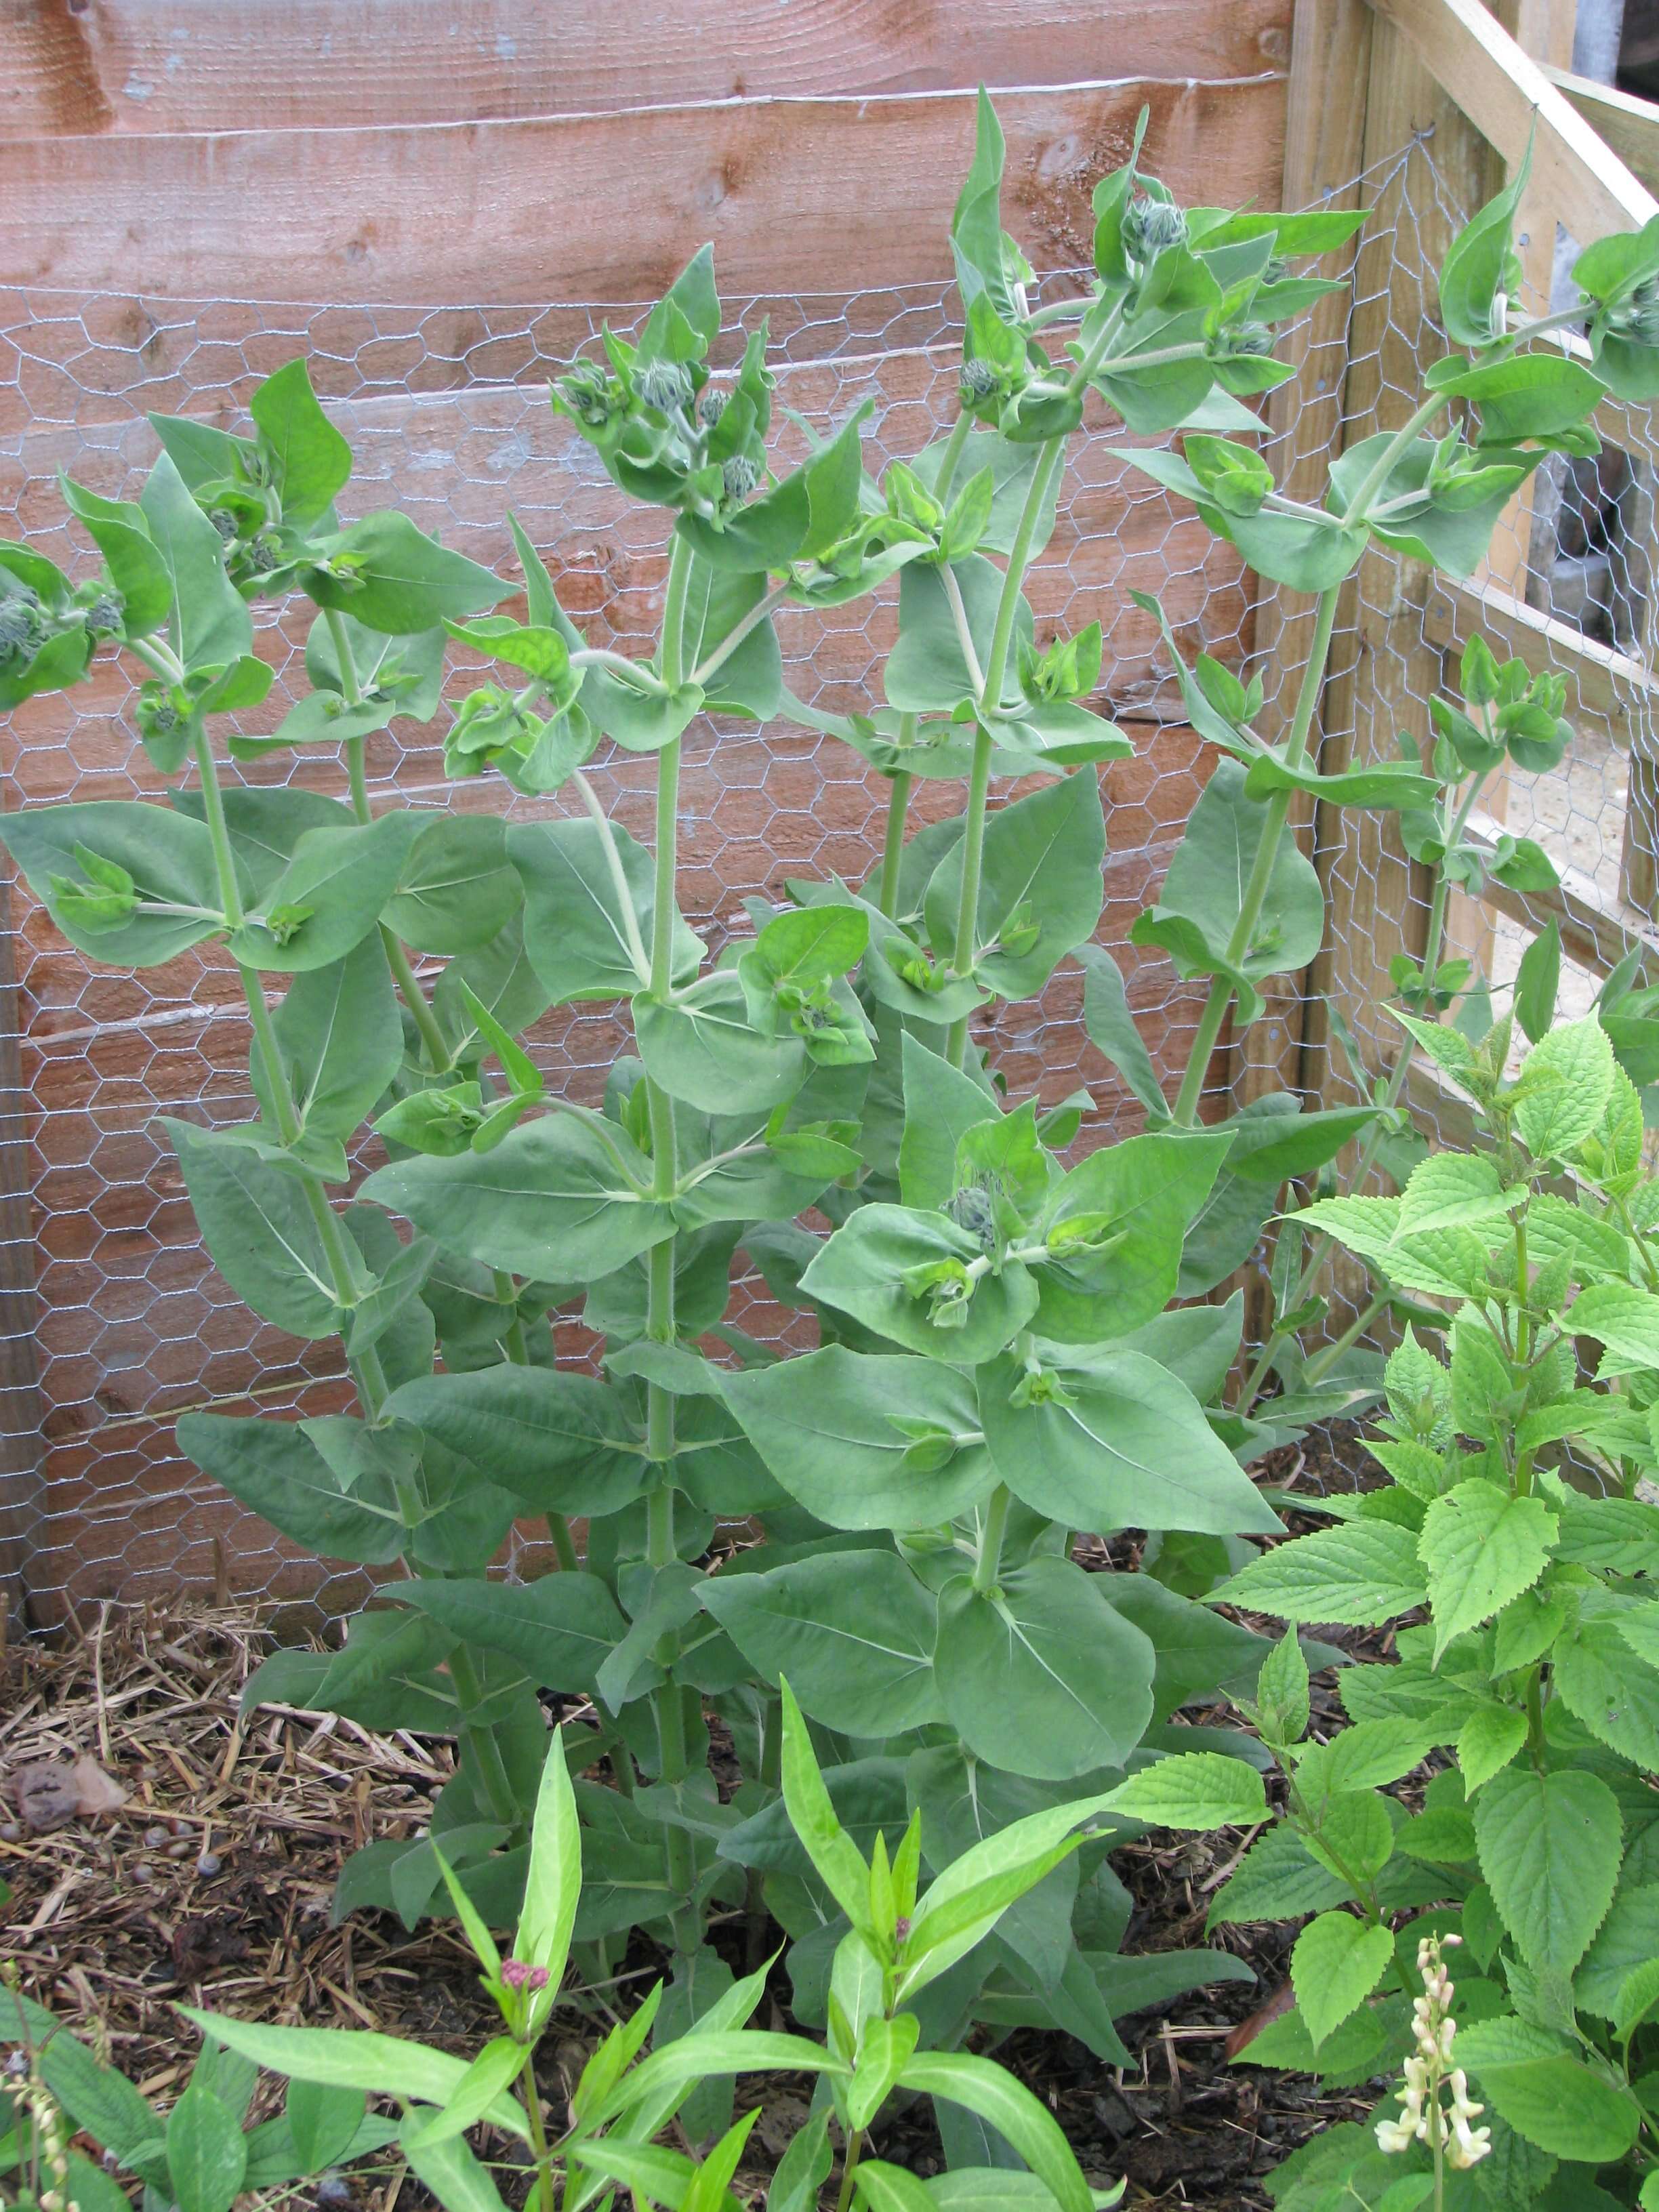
[(1324, 154), (141, 67), (608, 207), (1630, 125), (1506, 95)]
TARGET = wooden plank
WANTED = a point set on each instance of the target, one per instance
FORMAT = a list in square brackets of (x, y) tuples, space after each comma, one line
[(827, 195), (1628, 124), (1506, 95), (130, 65), (1595, 932), (1602, 682), (1324, 152), (1383, 671)]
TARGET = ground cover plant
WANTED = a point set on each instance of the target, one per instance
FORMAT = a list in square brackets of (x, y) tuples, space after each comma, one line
[(1009, 1351)]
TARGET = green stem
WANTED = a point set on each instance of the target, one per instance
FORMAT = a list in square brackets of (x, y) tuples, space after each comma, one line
[(1255, 890), (367, 1370), (960, 431), (973, 861), (892, 848), (849, 2166), (1323, 1362), (1434, 940), (403, 972), (480, 1739), (989, 1561), (1359, 506), (543, 2196)]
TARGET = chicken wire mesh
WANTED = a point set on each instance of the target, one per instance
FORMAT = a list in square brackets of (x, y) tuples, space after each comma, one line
[(446, 409)]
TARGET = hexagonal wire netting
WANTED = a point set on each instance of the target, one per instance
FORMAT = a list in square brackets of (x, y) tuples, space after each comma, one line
[(447, 409)]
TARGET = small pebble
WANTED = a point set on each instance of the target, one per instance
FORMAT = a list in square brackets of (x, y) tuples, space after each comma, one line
[(333, 2189), (208, 1863), (154, 1837), (143, 1872), (10, 1832), (180, 1849)]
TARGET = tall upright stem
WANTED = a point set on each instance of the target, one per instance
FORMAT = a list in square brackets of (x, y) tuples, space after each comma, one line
[(1255, 889), (403, 972), (990, 701), (960, 431), (367, 1370), (892, 847)]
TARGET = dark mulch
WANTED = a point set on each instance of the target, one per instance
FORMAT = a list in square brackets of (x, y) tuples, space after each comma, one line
[(210, 1887)]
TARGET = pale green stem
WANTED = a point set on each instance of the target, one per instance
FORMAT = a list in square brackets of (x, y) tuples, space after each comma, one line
[(990, 696), (480, 1739), (892, 847), (1323, 1362), (990, 1542), (618, 664), (1255, 889), (367, 1372), (960, 432), (1320, 1244), (637, 951), (518, 1353), (735, 636), (1359, 506), (544, 2196), (403, 972)]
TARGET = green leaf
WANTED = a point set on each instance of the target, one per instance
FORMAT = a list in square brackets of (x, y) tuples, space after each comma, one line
[(310, 461), (207, 2153), (1206, 885), (168, 857), (560, 1629), (1042, 1675), (693, 2058), (1626, 1946), (902, 1273), (1534, 395), (801, 516), (941, 1104), (1041, 868), (457, 888), (1473, 273), (1624, 1319), (854, 1631), (1193, 1790), (1549, 1846), (273, 1466), (329, 896), (750, 681), (702, 1047), (1562, 2106), (389, 576), (209, 624), (1136, 1199), (1488, 1739), (555, 1878), (555, 1201), (341, 1043), (576, 921), (256, 1222), (1480, 1548), (353, 2058), (323, 2124), (1362, 1574), (927, 671), (449, 2169), (495, 2069), (1338, 1962), (559, 1441), (1110, 1021), (864, 1441), (1572, 1070), (1598, 1677), (136, 569), (984, 2088), (1119, 1442)]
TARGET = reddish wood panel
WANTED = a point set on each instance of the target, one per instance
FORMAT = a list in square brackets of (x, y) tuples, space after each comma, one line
[(130, 65), (814, 195)]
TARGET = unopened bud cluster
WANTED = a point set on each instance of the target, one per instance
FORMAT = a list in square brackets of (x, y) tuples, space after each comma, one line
[(1425, 2118)]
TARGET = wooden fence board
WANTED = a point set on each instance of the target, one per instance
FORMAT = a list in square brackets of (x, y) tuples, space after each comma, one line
[(133, 66), (804, 196)]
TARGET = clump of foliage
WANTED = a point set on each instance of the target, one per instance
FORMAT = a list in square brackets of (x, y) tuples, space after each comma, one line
[(1008, 1348), (902, 1938)]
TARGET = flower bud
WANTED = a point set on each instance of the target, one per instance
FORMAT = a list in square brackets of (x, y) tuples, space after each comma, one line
[(738, 476), (662, 385), (103, 616), (711, 406), (20, 625), (979, 381), (1150, 227), (591, 394), (224, 522)]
